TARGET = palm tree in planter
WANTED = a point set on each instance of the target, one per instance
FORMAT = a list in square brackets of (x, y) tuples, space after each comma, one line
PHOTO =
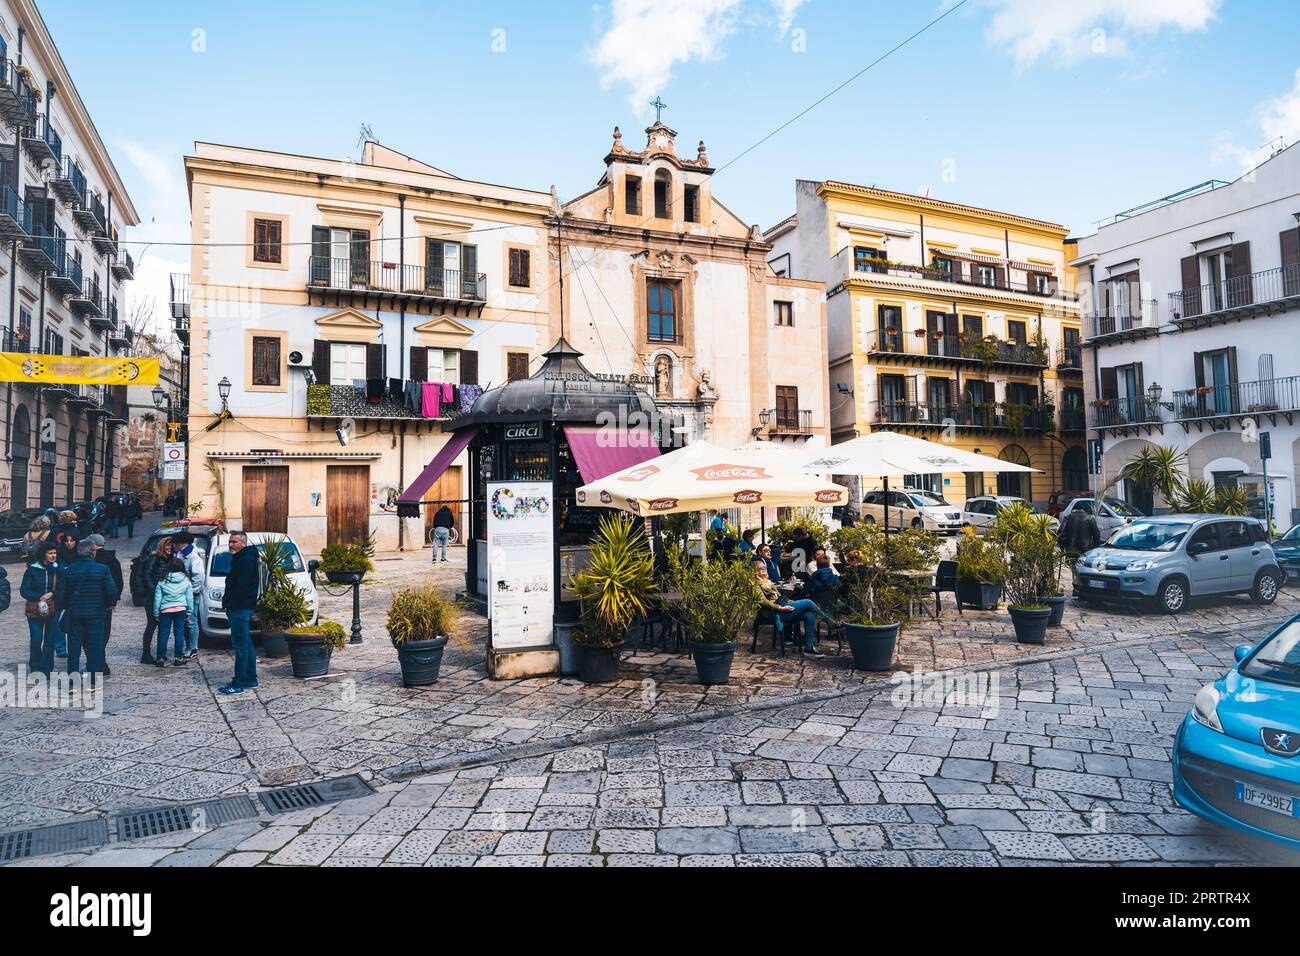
[(613, 591), (876, 597), (718, 599), (1032, 558), (420, 622), (1159, 469), (981, 571), (282, 605), (345, 563), (1195, 497)]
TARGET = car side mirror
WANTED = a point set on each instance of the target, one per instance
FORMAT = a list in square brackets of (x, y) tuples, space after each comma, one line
[(1241, 652), (1198, 547)]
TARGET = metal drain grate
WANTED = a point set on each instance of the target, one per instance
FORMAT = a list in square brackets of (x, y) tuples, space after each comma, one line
[(156, 821), (314, 794), (60, 838)]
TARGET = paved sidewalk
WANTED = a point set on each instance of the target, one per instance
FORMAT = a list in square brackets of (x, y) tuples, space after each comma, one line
[(1064, 762), (167, 736)]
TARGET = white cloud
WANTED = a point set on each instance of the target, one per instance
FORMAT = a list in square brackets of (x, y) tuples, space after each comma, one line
[(1279, 119), (1069, 30), (164, 217), (645, 38), (785, 13)]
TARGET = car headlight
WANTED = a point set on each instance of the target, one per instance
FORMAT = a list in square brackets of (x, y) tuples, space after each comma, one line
[(1143, 564), (1205, 708), (216, 594)]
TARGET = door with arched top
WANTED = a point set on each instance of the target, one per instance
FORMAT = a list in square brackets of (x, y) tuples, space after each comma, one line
[(1015, 483)]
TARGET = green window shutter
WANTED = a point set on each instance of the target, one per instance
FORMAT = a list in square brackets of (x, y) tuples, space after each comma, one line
[(320, 258)]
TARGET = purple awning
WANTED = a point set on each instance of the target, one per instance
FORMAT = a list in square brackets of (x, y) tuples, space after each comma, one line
[(441, 462), (600, 452)]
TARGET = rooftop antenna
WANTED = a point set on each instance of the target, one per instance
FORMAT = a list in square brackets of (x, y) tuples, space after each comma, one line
[(367, 135)]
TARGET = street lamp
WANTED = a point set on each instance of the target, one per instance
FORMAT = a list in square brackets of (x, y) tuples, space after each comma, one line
[(1154, 391), (159, 397), (223, 389)]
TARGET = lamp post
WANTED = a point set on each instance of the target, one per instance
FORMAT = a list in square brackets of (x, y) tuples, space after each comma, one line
[(223, 389)]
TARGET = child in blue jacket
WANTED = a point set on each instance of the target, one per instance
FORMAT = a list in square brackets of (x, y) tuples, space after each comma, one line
[(173, 603)]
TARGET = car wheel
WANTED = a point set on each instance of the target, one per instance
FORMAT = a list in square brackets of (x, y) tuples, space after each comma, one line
[(869, 519), (918, 524), (1172, 596), (1265, 589)]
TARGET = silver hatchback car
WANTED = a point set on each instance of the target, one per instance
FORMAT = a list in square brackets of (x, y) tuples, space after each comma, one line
[(1173, 558)]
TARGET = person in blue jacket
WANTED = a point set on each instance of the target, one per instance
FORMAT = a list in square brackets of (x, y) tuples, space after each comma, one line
[(86, 593), (243, 584), (39, 580)]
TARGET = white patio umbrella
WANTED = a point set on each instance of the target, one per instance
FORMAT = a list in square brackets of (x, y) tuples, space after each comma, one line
[(888, 455), (702, 476)]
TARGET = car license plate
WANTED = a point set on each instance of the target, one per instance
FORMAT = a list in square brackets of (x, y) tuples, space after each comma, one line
[(1267, 799), (1097, 584)]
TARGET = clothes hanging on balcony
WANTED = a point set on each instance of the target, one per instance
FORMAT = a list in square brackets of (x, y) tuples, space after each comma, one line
[(468, 395), (448, 393), (413, 397), (432, 391), (374, 390)]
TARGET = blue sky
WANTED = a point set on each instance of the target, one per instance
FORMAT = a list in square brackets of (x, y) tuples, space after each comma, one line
[(1068, 110)]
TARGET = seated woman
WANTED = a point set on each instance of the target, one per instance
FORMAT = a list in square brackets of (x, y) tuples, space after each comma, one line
[(793, 612)]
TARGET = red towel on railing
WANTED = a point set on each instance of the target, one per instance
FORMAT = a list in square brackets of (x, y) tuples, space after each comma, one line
[(430, 393), (448, 393)]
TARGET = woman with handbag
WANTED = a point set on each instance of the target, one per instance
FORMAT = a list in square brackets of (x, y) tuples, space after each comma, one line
[(155, 569), (39, 581)]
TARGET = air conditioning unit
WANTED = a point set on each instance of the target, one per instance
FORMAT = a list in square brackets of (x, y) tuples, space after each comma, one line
[(299, 357)]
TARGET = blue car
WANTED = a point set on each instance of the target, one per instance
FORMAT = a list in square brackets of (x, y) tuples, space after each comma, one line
[(1237, 754), (1287, 549)]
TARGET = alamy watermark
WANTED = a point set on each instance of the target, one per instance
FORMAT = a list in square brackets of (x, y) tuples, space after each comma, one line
[(979, 690), (55, 691)]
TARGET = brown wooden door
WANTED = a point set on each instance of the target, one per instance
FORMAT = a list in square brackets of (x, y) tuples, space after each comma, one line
[(266, 499), (446, 488), (347, 504)]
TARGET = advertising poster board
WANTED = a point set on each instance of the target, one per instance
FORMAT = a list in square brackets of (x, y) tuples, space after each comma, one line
[(521, 563)]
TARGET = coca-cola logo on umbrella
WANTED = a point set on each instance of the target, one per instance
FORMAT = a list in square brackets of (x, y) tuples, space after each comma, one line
[(828, 497), (747, 497), (663, 504), (633, 505), (606, 498), (724, 472), (582, 497), (639, 474)]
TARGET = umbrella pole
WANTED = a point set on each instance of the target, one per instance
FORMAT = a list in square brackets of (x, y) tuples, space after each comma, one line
[(762, 525), (886, 522), (704, 536)]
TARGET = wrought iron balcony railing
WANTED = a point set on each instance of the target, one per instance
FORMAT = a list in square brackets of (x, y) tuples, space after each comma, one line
[(69, 182), (1120, 412), (787, 421), (1139, 319), (1238, 398), (42, 141), (1050, 289), (1070, 358), (180, 296), (354, 275), (1237, 293), (1001, 416), (987, 350), (1072, 419), (13, 215)]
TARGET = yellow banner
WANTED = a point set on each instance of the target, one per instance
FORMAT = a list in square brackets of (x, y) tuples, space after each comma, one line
[(77, 369)]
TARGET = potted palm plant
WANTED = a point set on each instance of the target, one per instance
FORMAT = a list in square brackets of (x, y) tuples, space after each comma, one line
[(283, 605), (311, 646), (613, 591), (718, 599), (876, 596), (345, 563), (1031, 553), (420, 622), (981, 571)]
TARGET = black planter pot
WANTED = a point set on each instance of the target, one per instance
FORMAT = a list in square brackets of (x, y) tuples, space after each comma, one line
[(713, 661), (275, 644), (979, 594), (309, 655), (1030, 624), (598, 664), (420, 661), (344, 577), (1057, 605), (872, 645)]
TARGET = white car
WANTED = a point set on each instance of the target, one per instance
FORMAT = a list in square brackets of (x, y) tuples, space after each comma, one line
[(212, 614), (1111, 514), (912, 508), (979, 513)]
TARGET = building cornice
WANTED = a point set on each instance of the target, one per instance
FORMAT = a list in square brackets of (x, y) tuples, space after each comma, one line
[(968, 295), (842, 190)]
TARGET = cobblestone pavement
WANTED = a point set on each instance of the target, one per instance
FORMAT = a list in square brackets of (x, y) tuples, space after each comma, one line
[(1066, 763), (167, 736)]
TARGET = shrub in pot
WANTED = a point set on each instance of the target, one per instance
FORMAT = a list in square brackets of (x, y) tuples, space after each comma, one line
[(1031, 553), (876, 599), (981, 571), (282, 605), (718, 599), (796, 538), (420, 622), (613, 591), (345, 563), (311, 646)]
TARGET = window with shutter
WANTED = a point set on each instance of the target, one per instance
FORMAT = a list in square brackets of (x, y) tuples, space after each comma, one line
[(784, 313), (516, 366), (469, 273), (787, 406), (266, 240), (347, 363), (320, 255), (266, 361), (520, 268), (1016, 332)]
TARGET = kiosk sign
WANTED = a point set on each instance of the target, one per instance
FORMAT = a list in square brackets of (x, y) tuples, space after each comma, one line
[(521, 563)]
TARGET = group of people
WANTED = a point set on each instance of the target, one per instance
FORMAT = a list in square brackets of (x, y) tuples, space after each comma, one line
[(173, 576)]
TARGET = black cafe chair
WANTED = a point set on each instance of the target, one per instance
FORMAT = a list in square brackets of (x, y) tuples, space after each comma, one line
[(766, 617), (945, 579)]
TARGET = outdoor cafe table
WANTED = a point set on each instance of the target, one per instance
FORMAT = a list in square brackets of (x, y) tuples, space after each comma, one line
[(920, 582)]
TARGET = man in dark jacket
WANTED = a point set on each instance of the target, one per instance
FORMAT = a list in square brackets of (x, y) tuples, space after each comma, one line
[(86, 593), (443, 522), (1079, 533), (108, 558), (243, 582), (39, 581)]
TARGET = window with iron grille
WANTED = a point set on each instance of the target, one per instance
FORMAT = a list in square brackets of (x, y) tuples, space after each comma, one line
[(520, 268), (266, 360), (787, 406), (266, 240), (784, 313)]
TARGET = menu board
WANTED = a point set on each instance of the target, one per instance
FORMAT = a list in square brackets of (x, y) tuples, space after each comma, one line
[(521, 563)]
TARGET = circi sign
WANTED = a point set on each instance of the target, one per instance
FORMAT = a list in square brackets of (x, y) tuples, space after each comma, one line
[(747, 497), (663, 504), (828, 497), (523, 432)]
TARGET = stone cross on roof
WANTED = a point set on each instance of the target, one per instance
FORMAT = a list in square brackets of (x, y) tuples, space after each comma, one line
[(659, 106)]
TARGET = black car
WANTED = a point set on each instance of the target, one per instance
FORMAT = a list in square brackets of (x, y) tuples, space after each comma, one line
[(14, 524), (202, 533)]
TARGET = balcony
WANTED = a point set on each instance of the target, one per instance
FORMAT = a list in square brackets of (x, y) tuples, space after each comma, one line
[(983, 416), (96, 401), (42, 143), (1072, 419), (787, 421), (180, 296), (123, 265), (1241, 297), (90, 214), (120, 336), (1069, 359), (78, 396), (59, 391), (1125, 416), (339, 282), (116, 406), (105, 238), (92, 305), (939, 348), (1123, 324), (40, 251), (18, 340), (16, 94), (346, 401), (69, 182), (65, 278), (12, 215), (1047, 290), (1215, 406)]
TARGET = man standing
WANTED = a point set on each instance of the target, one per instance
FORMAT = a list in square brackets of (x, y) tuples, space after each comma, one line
[(113, 509), (108, 558), (131, 512), (192, 558), (86, 592), (1079, 534), (242, 585), (443, 522)]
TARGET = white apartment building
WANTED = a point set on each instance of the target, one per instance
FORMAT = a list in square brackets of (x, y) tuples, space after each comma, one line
[(1193, 336), (62, 205)]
